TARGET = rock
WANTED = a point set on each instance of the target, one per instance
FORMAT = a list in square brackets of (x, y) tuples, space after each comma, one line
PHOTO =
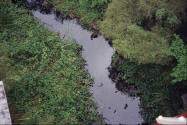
[(114, 111), (101, 85), (126, 105), (94, 35)]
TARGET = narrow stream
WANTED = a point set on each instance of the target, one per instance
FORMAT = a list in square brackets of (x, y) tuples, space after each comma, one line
[(115, 106)]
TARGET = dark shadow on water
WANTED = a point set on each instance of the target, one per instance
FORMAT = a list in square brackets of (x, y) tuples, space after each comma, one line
[(121, 86)]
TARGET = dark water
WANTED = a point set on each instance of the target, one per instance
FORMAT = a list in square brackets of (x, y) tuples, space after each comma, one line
[(115, 106)]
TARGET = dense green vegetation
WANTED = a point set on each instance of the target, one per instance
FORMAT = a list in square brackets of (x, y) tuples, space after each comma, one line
[(89, 11), (144, 28), (39, 65), (44, 76), (179, 51), (144, 58), (157, 94)]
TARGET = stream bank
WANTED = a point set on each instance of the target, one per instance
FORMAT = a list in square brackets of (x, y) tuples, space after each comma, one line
[(127, 75), (116, 107)]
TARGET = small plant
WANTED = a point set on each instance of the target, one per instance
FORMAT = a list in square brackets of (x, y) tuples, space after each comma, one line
[(179, 51), (160, 13), (173, 21)]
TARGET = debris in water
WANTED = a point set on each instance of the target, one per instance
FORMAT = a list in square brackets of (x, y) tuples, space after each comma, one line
[(101, 85), (115, 111), (94, 35), (125, 106), (101, 107)]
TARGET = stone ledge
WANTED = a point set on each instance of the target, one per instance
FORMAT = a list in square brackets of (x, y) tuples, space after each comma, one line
[(4, 110)]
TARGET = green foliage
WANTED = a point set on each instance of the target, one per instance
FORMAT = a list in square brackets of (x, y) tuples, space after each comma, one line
[(44, 76), (141, 29), (179, 51), (173, 21), (161, 13), (93, 3), (157, 96), (141, 46), (89, 11)]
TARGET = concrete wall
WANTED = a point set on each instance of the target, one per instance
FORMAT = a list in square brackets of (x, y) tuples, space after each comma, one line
[(4, 110)]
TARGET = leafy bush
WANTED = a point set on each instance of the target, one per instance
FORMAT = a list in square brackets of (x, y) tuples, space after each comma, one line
[(157, 95), (45, 78), (142, 46), (141, 29), (179, 51)]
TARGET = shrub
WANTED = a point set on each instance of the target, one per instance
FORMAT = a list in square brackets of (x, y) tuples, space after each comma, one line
[(141, 29), (142, 46), (179, 51), (157, 95)]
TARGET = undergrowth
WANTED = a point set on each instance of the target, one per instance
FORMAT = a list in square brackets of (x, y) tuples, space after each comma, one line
[(157, 95), (142, 34), (88, 11), (141, 30), (44, 76)]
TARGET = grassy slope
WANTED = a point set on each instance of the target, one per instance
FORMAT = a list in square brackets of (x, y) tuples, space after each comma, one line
[(44, 76), (144, 28)]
